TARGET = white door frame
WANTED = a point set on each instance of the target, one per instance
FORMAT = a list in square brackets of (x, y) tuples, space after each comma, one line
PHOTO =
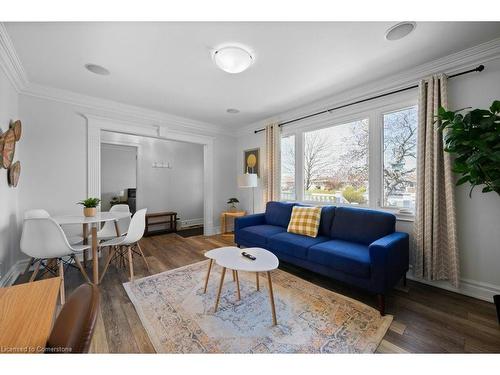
[(96, 124)]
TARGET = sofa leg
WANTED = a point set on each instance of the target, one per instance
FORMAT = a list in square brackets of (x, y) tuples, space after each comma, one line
[(238, 246), (404, 279), (381, 304)]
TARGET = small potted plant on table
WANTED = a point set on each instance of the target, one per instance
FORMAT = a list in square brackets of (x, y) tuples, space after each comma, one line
[(232, 202), (90, 206)]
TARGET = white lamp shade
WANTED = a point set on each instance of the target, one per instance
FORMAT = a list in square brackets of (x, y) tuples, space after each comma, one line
[(247, 180)]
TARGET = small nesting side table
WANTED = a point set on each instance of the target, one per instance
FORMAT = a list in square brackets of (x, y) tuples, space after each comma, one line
[(223, 220)]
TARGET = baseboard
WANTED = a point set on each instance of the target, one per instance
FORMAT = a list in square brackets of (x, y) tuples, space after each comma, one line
[(191, 222), (471, 288), (13, 273)]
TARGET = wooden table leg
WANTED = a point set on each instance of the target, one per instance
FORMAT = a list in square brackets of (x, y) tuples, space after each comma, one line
[(85, 233), (220, 288), (271, 297), (95, 261), (257, 280), (208, 275), (238, 285), (222, 224), (61, 275)]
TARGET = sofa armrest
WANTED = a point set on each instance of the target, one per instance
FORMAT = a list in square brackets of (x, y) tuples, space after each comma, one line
[(248, 221), (390, 257)]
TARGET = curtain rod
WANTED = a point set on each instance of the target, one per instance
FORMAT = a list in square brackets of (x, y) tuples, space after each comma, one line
[(479, 68)]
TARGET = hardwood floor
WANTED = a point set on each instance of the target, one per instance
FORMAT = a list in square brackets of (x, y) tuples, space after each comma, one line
[(426, 319)]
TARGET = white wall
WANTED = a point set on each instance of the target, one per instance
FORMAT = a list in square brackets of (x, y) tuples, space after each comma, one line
[(55, 166), (118, 171), (9, 234), (178, 189), (478, 217)]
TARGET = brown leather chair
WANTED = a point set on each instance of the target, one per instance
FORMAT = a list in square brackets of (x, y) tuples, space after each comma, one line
[(74, 327)]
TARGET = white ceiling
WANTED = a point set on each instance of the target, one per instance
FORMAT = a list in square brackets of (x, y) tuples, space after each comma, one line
[(168, 66)]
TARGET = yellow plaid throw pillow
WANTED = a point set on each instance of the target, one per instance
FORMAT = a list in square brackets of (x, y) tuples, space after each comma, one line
[(305, 221)]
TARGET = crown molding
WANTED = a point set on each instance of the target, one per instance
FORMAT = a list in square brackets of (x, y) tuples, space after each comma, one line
[(10, 62), (481, 53), (120, 111), (13, 68)]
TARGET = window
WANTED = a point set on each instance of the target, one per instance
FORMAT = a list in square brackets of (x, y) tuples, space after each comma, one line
[(400, 153), (288, 168), (335, 164)]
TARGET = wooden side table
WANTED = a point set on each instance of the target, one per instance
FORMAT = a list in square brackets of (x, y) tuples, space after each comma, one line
[(223, 220)]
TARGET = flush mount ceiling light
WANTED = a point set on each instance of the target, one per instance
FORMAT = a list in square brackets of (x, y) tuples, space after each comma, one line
[(97, 69), (233, 59), (400, 30), (232, 110)]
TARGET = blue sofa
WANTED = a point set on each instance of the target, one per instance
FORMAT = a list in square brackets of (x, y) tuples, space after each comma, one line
[(359, 247)]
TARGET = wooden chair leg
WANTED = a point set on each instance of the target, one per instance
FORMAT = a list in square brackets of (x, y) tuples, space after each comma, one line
[(112, 250), (61, 275), (208, 275), (35, 271), (28, 266), (131, 266), (143, 257), (82, 270)]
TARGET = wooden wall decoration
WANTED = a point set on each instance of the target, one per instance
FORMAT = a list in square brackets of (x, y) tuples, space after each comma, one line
[(9, 148), (7, 151), (14, 173)]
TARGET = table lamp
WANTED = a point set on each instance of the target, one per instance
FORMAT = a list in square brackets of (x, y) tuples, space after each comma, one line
[(249, 180)]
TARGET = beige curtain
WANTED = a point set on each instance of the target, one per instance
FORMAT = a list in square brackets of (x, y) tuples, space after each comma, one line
[(435, 251), (273, 163)]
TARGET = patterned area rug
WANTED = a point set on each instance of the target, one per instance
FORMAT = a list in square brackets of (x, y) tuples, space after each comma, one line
[(179, 318)]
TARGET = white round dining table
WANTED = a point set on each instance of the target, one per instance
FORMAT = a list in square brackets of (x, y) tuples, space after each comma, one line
[(94, 222)]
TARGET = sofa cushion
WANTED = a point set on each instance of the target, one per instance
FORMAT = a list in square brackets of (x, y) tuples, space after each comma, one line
[(325, 225), (259, 234), (361, 225), (278, 213), (294, 244), (305, 221), (347, 257)]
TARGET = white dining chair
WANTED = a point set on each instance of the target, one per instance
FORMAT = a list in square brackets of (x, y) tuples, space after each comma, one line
[(129, 243), (109, 229), (44, 240)]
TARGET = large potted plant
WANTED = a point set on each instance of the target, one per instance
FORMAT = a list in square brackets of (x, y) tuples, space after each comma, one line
[(473, 137), (90, 206)]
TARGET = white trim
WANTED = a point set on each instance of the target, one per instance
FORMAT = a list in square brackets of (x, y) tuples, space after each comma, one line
[(10, 62), (13, 273), (12, 65), (96, 124), (471, 288), (479, 54), (138, 160)]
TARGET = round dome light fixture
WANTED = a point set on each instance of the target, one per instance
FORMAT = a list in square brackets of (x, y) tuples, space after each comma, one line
[(232, 111), (97, 69), (400, 30), (233, 59)]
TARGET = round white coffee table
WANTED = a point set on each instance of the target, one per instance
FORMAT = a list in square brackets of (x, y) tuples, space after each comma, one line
[(231, 258)]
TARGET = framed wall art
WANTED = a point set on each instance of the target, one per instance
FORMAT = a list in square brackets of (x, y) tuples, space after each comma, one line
[(251, 161)]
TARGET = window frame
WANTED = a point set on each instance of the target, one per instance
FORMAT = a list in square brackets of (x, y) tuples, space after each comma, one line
[(381, 197), (373, 111)]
